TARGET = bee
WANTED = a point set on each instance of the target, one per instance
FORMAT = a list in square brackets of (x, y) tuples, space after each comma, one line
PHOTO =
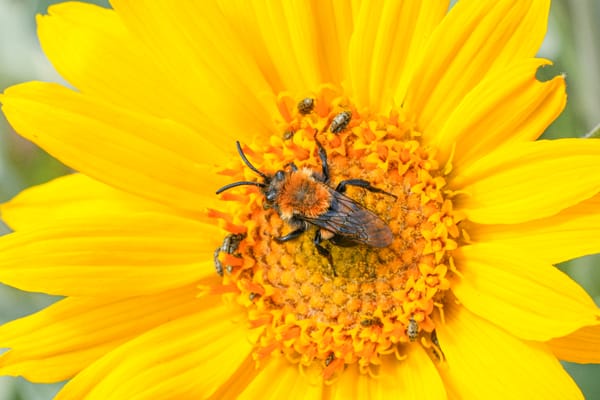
[(306, 105), (412, 330), (303, 197), (340, 121), (230, 245)]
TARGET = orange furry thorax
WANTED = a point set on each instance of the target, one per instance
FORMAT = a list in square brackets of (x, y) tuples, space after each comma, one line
[(301, 194)]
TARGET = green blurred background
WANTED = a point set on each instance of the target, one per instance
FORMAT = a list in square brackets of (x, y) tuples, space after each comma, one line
[(573, 43)]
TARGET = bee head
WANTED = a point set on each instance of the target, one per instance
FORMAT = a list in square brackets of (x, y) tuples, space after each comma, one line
[(273, 186)]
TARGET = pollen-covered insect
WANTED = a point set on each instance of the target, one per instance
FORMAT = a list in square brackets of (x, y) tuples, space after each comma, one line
[(371, 322), (230, 245), (412, 330), (303, 197), (340, 121), (306, 105)]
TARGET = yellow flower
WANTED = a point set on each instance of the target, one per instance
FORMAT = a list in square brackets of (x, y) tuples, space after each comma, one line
[(172, 291)]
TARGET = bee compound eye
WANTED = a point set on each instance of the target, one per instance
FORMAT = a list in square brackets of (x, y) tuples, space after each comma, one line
[(271, 196)]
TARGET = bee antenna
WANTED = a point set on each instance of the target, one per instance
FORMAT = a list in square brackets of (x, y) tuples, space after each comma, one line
[(252, 167), (241, 183)]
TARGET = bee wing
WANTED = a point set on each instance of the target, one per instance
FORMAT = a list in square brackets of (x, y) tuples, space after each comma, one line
[(347, 218)]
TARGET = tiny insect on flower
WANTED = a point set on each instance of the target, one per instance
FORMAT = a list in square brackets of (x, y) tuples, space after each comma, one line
[(306, 105), (230, 245), (371, 322), (329, 359), (340, 121), (287, 135), (412, 331), (437, 349)]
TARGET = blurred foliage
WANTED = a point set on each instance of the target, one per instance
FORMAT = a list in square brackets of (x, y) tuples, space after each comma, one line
[(573, 43)]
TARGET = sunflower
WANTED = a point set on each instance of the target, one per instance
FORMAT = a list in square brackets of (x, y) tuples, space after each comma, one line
[(443, 214)]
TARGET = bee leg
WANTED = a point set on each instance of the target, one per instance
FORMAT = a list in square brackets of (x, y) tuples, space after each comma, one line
[(323, 251), (341, 187), (323, 157), (292, 166), (218, 265), (292, 235)]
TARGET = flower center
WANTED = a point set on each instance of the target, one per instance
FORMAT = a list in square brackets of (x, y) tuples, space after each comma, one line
[(330, 295)]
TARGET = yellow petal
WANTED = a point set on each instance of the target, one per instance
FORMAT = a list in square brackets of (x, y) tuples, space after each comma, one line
[(189, 357), (73, 196), (561, 237), (297, 45), (334, 23), (194, 45), (582, 346), (527, 181), (526, 297), (483, 360), (122, 256), (388, 39), (476, 38), (414, 377), (240, 378), (281, 379), (293, 45), (352, 384), (92, 49), (151, 157), (508, 106), (56, 343)]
